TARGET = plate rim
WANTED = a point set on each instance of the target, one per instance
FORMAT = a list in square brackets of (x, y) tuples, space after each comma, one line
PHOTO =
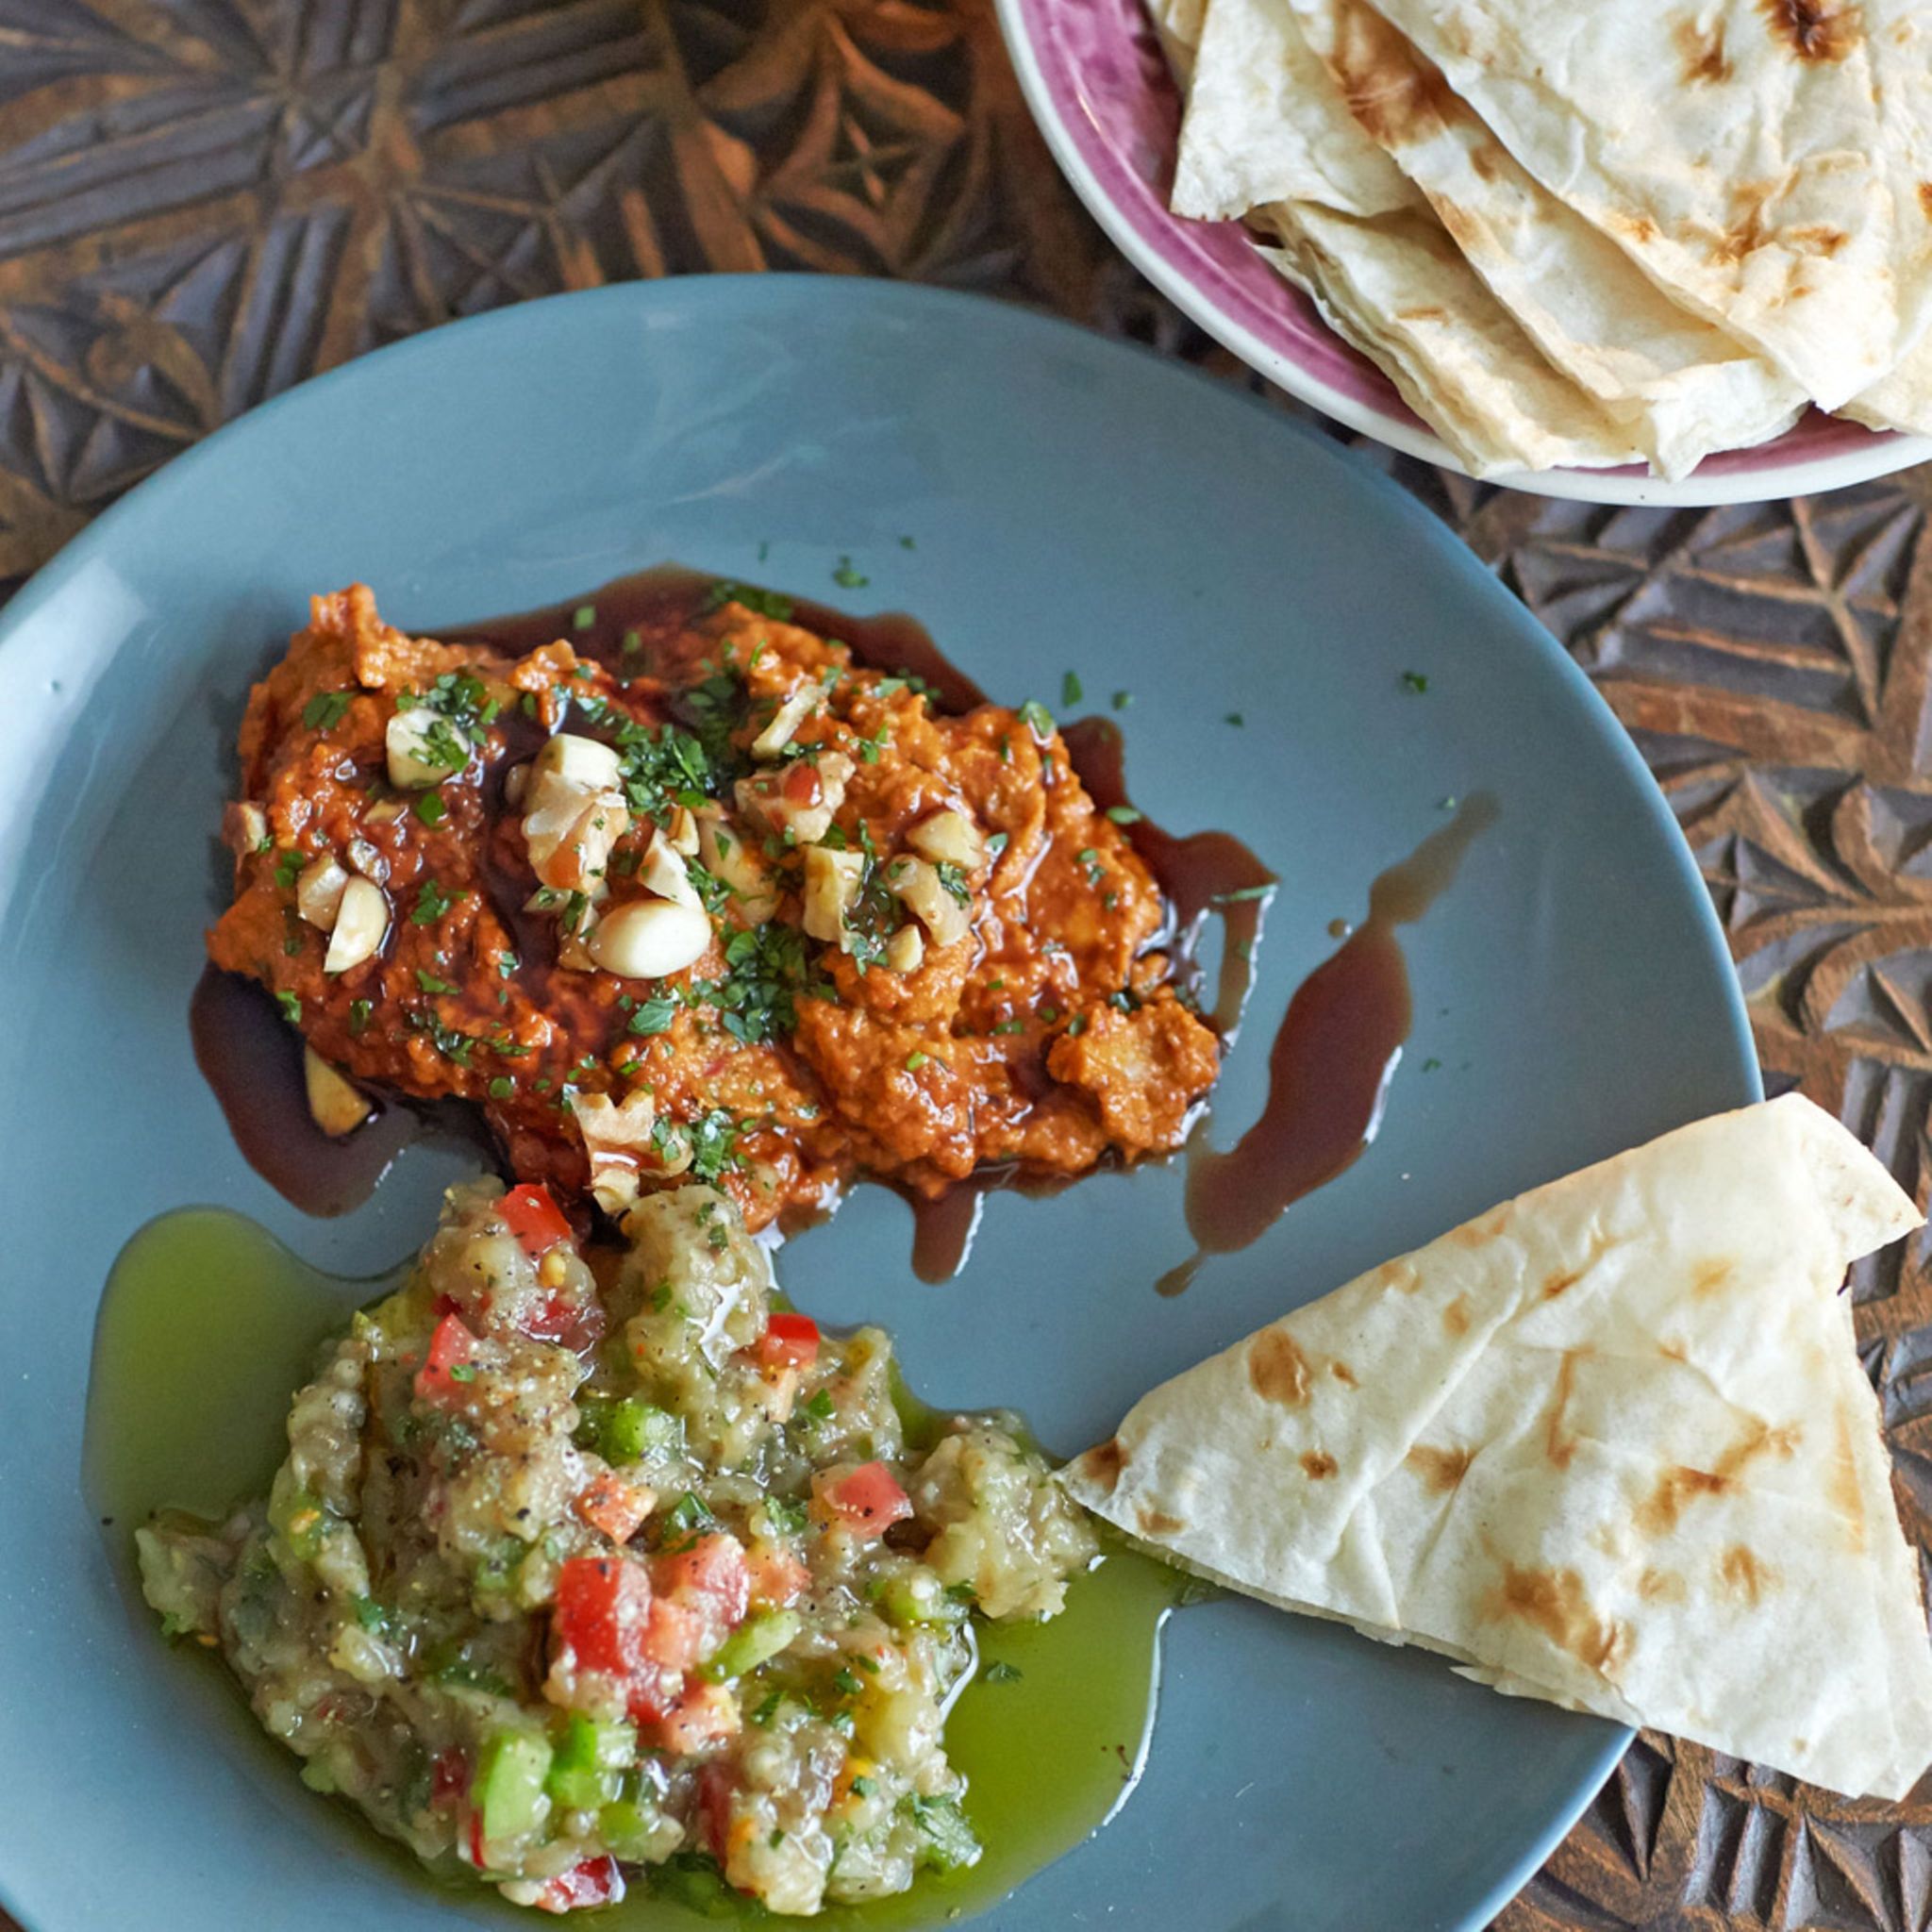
[(79, 554), (1881, 452)]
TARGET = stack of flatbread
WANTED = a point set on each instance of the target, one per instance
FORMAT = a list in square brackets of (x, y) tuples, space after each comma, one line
[(1586, 232), (1608, 1444)]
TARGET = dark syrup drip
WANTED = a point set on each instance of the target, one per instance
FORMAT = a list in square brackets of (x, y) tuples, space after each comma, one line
[(1330, 1065), (251, 1059)]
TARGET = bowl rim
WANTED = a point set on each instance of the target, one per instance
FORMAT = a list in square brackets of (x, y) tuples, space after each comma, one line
[(1875, 454)]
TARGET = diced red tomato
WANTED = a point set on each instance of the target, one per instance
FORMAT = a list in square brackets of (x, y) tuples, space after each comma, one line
[(572, 1324), (777, 1576), (603, 1608), (533, 1217), (867, 1500), (595, 1882), (712, 1568), (789, 1341), (677, 1635), (714, 1809), (617, 1507), (450, 1347), (449, 1779), (652, 1694), (705, 1714)]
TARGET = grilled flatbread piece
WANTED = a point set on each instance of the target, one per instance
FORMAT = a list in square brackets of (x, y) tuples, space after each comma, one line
[(1608, 1444)]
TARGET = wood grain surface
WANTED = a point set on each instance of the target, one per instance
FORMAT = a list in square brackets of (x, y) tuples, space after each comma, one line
[(203, 201)]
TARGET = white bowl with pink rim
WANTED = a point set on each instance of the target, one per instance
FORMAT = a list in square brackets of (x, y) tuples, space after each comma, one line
[(1095, 77)]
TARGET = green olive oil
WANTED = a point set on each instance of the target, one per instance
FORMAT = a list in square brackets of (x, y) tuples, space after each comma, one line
[(207, 1327)]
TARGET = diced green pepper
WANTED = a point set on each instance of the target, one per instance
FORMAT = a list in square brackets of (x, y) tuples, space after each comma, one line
[(950, 1842), (509, 1784), (916, 1597), (627, 1431), (298, 1517), (586, 1770), (636, 1830), (757, 1641)]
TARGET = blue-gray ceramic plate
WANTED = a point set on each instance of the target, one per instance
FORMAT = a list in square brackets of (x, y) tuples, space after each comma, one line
[(1072, 505)]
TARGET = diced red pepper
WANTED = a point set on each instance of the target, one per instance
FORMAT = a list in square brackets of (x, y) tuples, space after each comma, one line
[(449, 1779), (867, 1500), (595, 1882), (533, 1217), (450, 1347), (712, 1569), (572, 1324), (789, 1341), (603, 1608), (617, 1507)]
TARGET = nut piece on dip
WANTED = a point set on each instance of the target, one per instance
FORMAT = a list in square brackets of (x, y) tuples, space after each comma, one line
[(720, 905), (559, 1579)]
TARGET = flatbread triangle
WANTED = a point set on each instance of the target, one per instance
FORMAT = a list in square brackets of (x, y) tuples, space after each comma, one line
[(1608, 1444)]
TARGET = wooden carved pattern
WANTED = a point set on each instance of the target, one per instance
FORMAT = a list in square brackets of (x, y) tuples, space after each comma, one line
[(203, 200)]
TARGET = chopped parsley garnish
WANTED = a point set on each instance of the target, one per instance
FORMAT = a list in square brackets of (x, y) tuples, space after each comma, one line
[(360, 1011), (429, 983), (1121, 699), (864, 1787), (1235, 718), (1414, 681), (766, 603), (766, 1712), (1431, 1065), (1123, 814), (288, 868), (447, 1041), (1003, 1673), (583, 617), (324, 711), (1072, 691), (463, 1371), (1038, 718), (430, 809), (915, 1061), (766, 971), (953, 878), (502, 1087), (961, 1593), (819, 1408), (847, 578), (290, 1005), (653, 1016), (464, 698), (432, 902), (686, 1521), (714, 1144), (846, 1683)]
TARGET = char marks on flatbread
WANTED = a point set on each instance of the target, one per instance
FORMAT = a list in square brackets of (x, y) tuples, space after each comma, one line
[(1608, 1444), (1766, 177)]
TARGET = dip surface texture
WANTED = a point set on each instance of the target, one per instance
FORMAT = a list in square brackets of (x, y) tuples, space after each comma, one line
[(719, 904), (580, 1563)]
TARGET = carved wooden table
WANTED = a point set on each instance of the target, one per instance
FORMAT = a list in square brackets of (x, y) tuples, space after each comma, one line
[(203, 200)]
